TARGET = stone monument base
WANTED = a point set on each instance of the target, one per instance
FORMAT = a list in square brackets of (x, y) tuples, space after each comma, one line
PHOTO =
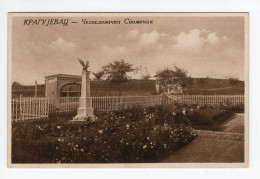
[(83, 114), (85, 111)]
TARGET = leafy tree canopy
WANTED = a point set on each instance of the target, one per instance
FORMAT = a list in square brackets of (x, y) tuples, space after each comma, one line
[(16, 85), (99, 75), (177, 75), (117, 71)]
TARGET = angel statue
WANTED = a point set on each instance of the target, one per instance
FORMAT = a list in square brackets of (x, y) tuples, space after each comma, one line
[(85, 66)]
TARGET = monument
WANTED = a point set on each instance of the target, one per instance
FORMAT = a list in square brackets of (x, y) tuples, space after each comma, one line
[(85, 108)]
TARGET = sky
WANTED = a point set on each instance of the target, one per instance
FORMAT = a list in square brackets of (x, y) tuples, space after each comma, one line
[(210, 46)]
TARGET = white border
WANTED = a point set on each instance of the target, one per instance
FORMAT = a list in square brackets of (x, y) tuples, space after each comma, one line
[(127, 165), (136, 6)]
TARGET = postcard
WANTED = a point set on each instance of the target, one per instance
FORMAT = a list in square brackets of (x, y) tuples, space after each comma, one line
[(128, 90)]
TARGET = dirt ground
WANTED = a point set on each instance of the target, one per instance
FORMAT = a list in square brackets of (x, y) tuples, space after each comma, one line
[(214, 147)]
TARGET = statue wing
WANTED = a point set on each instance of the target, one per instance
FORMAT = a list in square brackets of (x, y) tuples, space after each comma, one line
[(81, 62)]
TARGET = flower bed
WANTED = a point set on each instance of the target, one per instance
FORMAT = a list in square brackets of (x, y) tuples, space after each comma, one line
[(135, 134), (207, 117)]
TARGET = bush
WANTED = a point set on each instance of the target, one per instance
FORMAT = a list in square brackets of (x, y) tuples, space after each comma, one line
[(207, 117), (236, 109), (134, 134), (135, 142)]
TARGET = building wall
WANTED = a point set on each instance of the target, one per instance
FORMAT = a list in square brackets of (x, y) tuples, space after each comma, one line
[(55, 83), (53, 86), (50, 89)]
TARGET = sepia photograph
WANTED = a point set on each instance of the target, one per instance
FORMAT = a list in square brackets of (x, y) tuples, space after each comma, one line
[(128, 90)]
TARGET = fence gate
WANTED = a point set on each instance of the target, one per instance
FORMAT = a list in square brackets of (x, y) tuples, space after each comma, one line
[(29, 108)]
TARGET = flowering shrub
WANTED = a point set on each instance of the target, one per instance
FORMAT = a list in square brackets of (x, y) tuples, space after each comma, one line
[(135, 134), (36, 129), (128, 135), (236, 109), (207, 117), (135, 143)]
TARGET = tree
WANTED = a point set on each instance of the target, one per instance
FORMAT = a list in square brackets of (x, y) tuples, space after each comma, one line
[(16, 85), (178, 75), (172, 76), (182, 77), (117, 72), (167, 76), (234, 81), (99, 75)]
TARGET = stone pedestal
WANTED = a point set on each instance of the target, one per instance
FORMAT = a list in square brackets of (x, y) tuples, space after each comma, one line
[(85, 109)]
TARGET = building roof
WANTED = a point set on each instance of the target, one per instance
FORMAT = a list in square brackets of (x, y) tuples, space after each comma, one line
[(63, 76)]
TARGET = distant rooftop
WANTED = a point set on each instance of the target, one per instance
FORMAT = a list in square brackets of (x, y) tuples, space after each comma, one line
[(63, 76)]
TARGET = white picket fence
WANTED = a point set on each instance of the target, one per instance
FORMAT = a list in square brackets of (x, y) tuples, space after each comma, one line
[(114, 103), (108, 103), (28, 108), (210, 99), (67, 104)]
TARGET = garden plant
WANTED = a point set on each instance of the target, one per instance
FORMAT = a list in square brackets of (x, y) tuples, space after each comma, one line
[(129, 135)]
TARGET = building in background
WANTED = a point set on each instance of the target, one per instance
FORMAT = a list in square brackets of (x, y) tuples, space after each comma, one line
[(62, 85)]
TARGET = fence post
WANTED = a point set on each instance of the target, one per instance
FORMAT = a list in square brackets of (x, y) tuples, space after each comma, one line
[(20, 111)]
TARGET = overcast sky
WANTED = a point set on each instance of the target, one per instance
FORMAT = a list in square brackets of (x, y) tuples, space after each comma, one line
[(204, 46)]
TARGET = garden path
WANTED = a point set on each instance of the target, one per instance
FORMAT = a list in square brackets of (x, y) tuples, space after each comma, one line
[(234, 123), (212, 146)]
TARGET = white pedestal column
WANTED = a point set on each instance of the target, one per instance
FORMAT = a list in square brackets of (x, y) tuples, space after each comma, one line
[(85, 102)]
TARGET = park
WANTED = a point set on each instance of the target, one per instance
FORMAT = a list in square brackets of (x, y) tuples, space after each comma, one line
[(164, 121)]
